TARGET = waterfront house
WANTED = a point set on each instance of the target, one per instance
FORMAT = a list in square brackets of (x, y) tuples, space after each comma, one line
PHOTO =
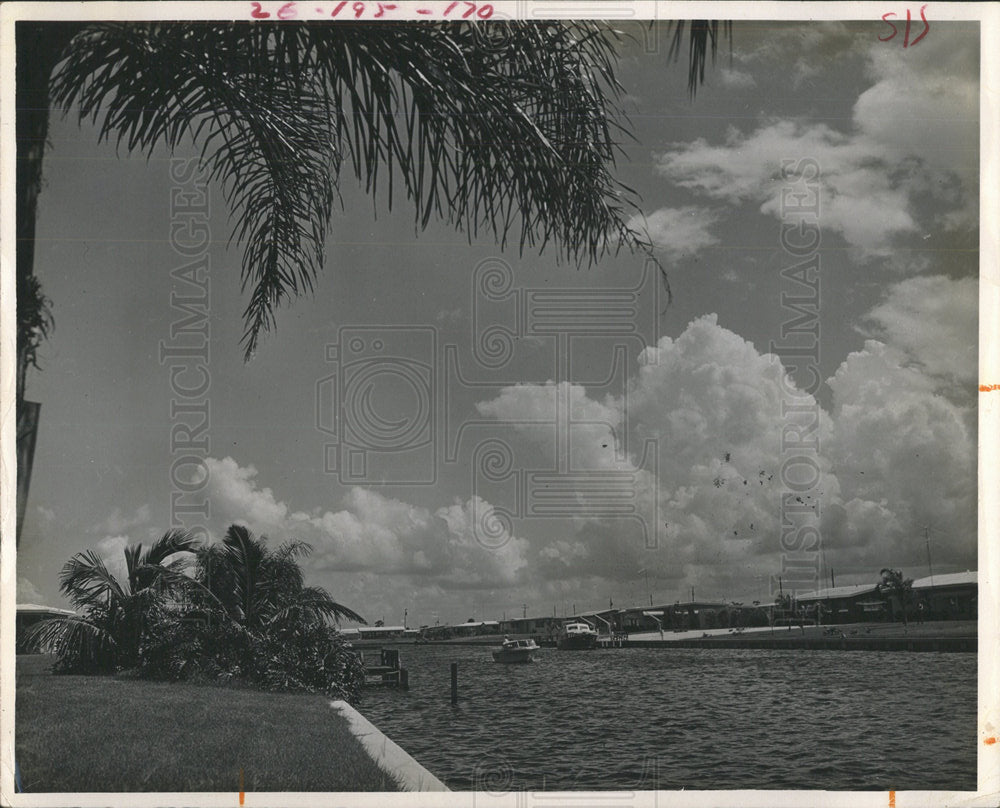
[(843, 604), (952, 596)]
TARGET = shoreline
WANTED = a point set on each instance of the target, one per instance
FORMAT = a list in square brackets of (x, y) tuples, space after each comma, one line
[(945, 636)]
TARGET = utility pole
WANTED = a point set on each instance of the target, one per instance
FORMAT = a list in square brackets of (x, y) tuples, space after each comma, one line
[(927, 542), (524, 610), (405, 612)]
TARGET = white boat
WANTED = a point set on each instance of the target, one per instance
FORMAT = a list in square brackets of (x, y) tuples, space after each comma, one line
[(515, 651), (577, 637)]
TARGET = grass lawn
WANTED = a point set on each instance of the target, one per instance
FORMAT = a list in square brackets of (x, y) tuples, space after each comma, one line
[(104, 733)]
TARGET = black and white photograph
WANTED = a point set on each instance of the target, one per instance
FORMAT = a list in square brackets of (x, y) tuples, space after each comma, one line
[(541, 402)]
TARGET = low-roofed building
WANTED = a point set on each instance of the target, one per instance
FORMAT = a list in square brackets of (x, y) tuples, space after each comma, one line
[(952, 596), (29, 615)]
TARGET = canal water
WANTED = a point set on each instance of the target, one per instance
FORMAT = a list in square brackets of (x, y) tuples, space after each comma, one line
[(626, 719)]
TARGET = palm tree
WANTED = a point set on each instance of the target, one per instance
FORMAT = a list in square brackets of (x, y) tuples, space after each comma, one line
[(507, 129), (116, 612), (257, 587), (896, 589), (251, 617)]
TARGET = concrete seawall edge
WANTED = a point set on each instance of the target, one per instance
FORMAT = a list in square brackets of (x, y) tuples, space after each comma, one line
[(387, 753)]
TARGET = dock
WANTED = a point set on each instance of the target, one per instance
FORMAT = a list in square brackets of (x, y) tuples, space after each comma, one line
[(382, 669)]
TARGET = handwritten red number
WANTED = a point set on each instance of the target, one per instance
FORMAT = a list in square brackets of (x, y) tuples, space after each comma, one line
[(893, 27), (447, 11), (257, 13), (287, 12), (470, 7), (923, 19), (359, 9), (906, 31), (339, 7), (485, 12)]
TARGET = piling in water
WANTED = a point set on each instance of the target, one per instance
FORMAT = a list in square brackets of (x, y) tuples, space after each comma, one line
[(454, 683)]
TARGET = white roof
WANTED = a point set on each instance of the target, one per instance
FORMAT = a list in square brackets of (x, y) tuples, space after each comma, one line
[(948, 579), (478, 623), (35, 608), (838, 592)]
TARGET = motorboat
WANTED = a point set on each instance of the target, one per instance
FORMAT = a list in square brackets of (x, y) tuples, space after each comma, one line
[(577, 637), (515, 651)]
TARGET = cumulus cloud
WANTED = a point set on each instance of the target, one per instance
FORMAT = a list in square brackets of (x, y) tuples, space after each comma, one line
[(907, 163), (892, 454), (460, 545), (678, 232), (241, 499), (934, 321)]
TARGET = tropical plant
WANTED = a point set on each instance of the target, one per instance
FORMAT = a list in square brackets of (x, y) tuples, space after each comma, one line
[(896, 590), (251, 618), (116, 613)]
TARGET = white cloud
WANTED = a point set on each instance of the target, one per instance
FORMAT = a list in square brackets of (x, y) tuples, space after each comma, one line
[(459, 545), (858, 197), (907, 163), (678, 232), (235, 488), (736, 79), (893, 455), (934, 320)]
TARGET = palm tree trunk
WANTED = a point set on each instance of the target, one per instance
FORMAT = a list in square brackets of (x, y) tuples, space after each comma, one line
[(39, 49)]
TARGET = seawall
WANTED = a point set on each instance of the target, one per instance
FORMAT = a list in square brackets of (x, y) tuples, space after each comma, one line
[(387, 753)]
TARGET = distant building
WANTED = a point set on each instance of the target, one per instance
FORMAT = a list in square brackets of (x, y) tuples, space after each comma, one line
[(30, 614), (844, 604), (952, 596)]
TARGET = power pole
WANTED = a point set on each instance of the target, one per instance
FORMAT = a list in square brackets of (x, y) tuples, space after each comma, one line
[(524, 610), (927, 542)]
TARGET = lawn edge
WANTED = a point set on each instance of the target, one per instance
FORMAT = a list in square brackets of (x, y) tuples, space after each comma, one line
[(386, 753)]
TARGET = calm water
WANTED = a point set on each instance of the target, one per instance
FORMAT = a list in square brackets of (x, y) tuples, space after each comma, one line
[(687, 718)]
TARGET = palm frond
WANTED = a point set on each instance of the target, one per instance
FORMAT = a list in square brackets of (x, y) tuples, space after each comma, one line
[(509, 129), (173, 541), (74, 635), (703, 39), (86, 581), (244, 555), (315, 603)]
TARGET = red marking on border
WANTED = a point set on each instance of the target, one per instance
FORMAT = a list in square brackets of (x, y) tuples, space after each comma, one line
[(892, 799), (987, 388), (241, 786), (990, 740), (424, 11)]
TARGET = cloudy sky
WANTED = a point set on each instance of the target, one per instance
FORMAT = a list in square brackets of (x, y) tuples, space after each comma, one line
[(490, 507)]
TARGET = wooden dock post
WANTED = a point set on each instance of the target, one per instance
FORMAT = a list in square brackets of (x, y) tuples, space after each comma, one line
[(404, 678), (454, 683)]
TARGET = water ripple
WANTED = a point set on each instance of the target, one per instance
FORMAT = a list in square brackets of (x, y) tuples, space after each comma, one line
[(687, 718)]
